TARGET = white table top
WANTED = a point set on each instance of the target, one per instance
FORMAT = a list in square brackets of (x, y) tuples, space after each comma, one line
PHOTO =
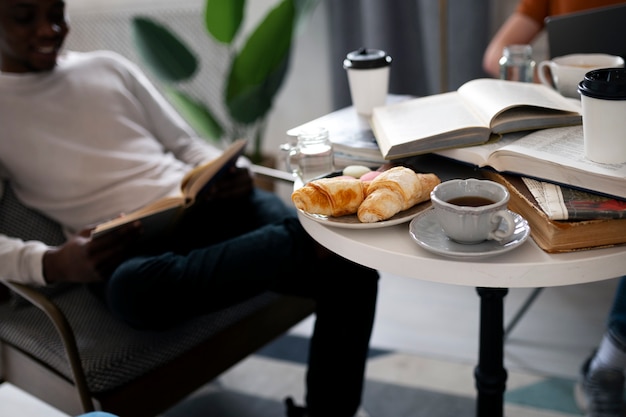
[(391, 249)]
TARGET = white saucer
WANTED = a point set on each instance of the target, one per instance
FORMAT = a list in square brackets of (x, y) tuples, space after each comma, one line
[(426, 232)]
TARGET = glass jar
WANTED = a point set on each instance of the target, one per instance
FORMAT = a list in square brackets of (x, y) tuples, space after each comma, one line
[(312, 156), (517, 63)]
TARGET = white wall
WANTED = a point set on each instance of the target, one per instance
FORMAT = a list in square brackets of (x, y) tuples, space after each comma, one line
[(306, 92)]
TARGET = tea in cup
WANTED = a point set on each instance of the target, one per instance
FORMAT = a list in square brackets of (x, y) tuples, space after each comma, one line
[(565, 72), (472, 211)]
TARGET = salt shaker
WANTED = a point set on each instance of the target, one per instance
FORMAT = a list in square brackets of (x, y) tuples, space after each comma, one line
[(517, 63)]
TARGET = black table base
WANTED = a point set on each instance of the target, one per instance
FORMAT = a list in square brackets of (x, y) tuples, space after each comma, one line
[(490, 374)]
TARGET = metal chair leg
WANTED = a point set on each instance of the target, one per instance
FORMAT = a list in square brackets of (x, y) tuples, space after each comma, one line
[(522, 310)]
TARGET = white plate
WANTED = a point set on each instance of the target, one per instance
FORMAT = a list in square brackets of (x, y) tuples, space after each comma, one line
[(427, 233), (351, 221)]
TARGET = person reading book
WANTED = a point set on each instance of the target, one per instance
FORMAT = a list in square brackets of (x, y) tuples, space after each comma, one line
[(85, 137), (526, 23)]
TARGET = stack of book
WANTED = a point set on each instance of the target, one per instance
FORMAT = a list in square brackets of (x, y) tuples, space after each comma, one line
[(564, 219), (353, 140)]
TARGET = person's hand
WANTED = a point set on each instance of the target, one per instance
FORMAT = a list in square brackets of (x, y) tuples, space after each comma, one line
[(236, 183), (82, 259)]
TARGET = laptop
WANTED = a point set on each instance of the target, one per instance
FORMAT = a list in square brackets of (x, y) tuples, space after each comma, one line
[(600, 30)]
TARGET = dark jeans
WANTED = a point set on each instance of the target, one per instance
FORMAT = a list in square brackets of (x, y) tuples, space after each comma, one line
[(617, 316), (225, 254)]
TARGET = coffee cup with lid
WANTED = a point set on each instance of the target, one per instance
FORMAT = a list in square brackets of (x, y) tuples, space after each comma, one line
[(368, 78), (603, 100)]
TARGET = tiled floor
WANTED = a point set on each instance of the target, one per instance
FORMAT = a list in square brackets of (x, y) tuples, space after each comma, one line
[(432, 331)]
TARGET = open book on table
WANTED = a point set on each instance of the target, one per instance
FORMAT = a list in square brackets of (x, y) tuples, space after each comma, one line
[(164, 213), (469, 116), (554, 155)]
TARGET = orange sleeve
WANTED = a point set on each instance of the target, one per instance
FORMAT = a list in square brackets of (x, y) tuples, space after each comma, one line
[(535, 9)]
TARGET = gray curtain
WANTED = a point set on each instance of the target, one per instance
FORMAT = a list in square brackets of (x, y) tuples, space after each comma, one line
[(409, 30)]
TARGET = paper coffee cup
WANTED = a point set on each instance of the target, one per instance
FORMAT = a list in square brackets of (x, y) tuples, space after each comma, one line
[(368, 77), (603, 99)]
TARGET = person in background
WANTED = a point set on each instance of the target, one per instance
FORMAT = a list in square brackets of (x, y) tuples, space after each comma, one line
[(85, 137), (527, 21), (600, 389)]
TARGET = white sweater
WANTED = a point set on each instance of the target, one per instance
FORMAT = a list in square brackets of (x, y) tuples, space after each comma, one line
[(85, 142)]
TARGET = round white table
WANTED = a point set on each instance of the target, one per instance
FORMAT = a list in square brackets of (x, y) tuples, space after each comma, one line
[(391, 249)]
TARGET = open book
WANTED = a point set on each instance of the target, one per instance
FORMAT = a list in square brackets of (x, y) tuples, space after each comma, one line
[(554, 155), (469, 116), (163, 214)]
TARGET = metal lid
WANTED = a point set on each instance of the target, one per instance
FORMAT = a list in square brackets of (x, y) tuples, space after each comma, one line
[(605, 83), (367, 58)]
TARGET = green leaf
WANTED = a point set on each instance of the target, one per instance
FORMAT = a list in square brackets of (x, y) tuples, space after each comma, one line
[(196, 113), (223, 18), (162, 51), (258, 71), (255, 102)]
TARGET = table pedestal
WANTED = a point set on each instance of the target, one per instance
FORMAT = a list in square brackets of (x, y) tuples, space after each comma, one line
[(490, 374)]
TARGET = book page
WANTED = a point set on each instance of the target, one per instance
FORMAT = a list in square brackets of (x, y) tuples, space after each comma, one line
[(199, 177), (491, 96), (479, 154), (564, 146), (163, 209), (558, 155), (564, 203), (419, 123), (549, 198)]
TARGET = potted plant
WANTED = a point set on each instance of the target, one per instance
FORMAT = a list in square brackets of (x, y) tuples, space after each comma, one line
[(255, 74)]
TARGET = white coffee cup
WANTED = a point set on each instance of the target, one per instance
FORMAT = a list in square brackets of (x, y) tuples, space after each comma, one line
[(603, 100), (472, 211), (565, 72), (368, 77)]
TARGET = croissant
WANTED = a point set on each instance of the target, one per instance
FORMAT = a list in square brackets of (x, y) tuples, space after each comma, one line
[(393, 191), (330, 196)]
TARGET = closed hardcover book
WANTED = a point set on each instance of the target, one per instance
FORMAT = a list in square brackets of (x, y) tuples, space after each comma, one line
[(563, 235)]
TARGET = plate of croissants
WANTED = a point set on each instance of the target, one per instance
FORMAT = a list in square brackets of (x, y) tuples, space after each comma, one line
[(376, 199)]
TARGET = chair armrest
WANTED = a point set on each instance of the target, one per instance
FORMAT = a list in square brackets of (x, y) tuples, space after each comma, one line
[(65, 332)]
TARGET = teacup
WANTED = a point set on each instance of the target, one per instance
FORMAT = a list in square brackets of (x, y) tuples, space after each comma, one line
[(472, 211), (565, 72)]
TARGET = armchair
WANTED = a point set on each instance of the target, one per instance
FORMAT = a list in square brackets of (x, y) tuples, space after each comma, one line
[(62, 345)]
